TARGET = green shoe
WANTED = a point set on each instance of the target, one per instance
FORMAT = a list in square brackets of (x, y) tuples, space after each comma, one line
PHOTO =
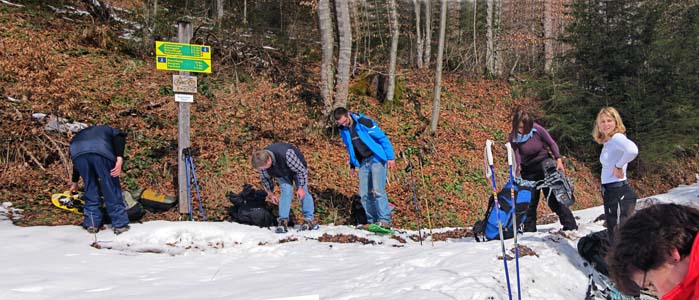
[(379, 229)]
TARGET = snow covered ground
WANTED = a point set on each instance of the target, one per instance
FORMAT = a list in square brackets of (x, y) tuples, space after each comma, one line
[(195, 260)]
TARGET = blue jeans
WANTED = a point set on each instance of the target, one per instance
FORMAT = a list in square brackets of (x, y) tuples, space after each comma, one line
[(372, 178), (94, 170), (287, 188)]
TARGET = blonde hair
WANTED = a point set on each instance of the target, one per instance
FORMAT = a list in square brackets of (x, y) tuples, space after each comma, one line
[(259, 159), (597, 133)]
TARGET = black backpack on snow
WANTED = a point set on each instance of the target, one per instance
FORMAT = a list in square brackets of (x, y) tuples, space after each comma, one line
[(593, 248), (249, 207)]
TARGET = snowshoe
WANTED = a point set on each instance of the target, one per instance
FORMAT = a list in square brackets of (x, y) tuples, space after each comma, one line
[(72, 202), (557, 183), (600, 287)]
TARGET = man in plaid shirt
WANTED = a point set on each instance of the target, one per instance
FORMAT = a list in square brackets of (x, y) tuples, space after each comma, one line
[(285, 163)]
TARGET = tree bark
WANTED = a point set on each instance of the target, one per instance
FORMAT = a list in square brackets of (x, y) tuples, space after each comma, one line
[(492, 26), (438, 72), (548, 36), (245, 12), (428, 32), (147, 28), (394, 50), (356, 33), (326, 70), (475, 31), (418, 35), (343, 63), (219, 12)]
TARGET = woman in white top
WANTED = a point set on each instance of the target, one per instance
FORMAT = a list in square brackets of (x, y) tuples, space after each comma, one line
[(617, 152)]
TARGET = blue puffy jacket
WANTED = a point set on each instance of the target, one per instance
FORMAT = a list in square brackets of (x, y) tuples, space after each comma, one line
[(372, 136), (95, 139)]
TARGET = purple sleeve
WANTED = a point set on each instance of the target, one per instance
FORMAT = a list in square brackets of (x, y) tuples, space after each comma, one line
[(548, 139)]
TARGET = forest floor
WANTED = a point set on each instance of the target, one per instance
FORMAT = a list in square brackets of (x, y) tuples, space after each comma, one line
[(77, 70)]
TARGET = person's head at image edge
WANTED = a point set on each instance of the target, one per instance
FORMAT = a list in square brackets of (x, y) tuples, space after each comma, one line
[(656, 249)]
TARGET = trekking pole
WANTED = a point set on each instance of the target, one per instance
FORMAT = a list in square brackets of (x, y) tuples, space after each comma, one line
[(510, 160), (491, 173), (409, 168), (189, 161), (185, 152), (427, 203)]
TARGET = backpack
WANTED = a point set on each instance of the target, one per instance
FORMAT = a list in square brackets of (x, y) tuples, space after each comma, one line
[(357, 214), (134, 209), (593, 248), (487, 229), (249, 207)]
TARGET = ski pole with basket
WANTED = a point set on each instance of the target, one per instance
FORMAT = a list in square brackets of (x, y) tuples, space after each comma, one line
[(490, 172)]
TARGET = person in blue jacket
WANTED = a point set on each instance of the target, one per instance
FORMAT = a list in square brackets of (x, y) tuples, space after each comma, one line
[(371, 151), (97, 153)]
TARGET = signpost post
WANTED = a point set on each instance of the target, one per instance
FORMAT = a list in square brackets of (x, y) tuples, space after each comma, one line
[(185, 58)]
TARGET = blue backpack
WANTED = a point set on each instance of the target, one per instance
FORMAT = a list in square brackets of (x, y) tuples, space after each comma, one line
[(487, 229)]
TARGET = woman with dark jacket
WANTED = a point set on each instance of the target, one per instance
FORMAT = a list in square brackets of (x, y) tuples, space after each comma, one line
[(531, 143)]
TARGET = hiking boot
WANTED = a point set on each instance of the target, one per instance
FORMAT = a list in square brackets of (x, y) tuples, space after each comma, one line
[(383, 224), (283, 226), (120, 230), (92, 229), (308, 225)]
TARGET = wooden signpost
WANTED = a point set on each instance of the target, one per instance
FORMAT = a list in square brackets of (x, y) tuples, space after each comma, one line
[(185, 58)]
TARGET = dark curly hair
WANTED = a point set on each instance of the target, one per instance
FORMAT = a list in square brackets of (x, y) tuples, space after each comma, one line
[(646, 239)]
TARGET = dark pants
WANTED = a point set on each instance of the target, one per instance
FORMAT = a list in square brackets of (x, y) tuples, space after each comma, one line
[(94, 170), (535, 172), (619, 203)]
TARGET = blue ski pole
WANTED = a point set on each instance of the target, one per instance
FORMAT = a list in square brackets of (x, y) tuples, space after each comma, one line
[(185, 153), (510, 160), (491, 174), (196, 186)]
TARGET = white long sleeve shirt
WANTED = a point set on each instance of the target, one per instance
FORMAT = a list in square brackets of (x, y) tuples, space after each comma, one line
[(618, 151)]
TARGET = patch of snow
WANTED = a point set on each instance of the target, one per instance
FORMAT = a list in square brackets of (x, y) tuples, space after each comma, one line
[(162, 260)]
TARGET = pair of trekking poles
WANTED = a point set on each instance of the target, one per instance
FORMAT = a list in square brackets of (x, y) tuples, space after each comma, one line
[(409, 169), (490, 172), (191, 175)]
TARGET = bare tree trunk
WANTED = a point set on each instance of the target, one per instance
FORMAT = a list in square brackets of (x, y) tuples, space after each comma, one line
[(219, 12), (281, 17), (343, 62), (155, 8), (418, 33), (326, 69), (475, 31), (394, 50), (245, 12), (548, 36), (438, 72), (428, 32), (146, 28), (356, 34), (367, 33), (492, 26)]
